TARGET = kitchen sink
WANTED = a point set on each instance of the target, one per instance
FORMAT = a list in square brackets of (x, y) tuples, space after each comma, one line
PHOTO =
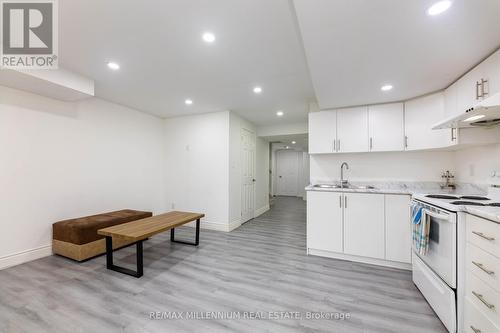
[(365, 187), (346, 186), (327, 186)]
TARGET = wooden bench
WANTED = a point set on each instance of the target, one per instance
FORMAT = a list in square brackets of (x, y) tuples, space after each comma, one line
[(137, 231)]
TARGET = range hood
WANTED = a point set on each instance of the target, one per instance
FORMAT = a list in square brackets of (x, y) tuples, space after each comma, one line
[(485, 113)]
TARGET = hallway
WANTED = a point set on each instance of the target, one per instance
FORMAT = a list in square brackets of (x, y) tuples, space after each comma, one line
[(259, 268)]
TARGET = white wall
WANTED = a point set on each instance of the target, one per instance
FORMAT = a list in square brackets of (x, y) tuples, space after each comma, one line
[(262, 176), (63, 160), (397, 166), (475, 164), (197, 168)]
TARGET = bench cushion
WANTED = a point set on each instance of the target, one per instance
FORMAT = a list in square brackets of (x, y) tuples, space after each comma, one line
[(83, 230)]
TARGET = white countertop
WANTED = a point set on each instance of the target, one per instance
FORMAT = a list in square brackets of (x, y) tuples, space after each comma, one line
[(419, 189)]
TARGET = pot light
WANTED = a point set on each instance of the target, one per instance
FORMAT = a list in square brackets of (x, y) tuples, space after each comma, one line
[(257, 90), (280, 113), (113, 65), (287, 147), (386, 87), (208, 37), (479, 116), (293, 142), (439, 7), (188, 102)]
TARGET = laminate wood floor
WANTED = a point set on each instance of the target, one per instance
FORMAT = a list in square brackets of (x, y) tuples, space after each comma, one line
[(259, 268)]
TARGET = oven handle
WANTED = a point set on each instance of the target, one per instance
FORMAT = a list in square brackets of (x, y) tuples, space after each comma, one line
[(438, 215)]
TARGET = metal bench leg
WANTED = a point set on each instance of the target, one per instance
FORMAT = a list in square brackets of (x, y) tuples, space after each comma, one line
[(197, 236), (109, 259)]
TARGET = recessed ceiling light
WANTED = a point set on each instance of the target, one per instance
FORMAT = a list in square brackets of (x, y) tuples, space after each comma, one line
[(280, 113), (287, 147), (386, 87), (257, 90), (479, 116), (439, 7), (188, 102), (113, 65), (293, 142), (208, 37)]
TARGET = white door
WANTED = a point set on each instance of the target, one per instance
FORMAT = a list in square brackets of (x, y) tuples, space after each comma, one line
[(287, 172), (324, 221), (322, 132), (386, 127), (248, 175), (352, 130), (364, 225), (397, 228), (420, 115)]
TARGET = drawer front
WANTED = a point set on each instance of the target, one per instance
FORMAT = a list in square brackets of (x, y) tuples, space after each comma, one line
[(483, 297), (475, 321), (484, 265), (484, 234)]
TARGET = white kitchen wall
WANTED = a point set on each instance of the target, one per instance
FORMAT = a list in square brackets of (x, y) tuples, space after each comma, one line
[(475, 164), (398, 166), (62, 160), (197, 166)]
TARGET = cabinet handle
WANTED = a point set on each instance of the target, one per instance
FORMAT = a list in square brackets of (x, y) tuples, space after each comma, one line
[(340, 200), (345, 202), (478, 84), (453, 136), (371, 143), (480, 234), (483, 93), (406, 141), (481, 266), (475, 330), (481, 298)]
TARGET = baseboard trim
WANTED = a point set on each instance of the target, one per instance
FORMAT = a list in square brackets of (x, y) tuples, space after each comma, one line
[(364, 260), (209, 225), (261, 211), (25, 256)]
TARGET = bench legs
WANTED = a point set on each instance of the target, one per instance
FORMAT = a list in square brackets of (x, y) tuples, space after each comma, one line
[(109, 259), (197, 237)]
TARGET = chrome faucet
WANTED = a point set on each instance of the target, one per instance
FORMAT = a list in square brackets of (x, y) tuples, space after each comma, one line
[(342, 180)]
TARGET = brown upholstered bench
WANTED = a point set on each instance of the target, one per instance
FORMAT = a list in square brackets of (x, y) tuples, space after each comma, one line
[(78, 239)]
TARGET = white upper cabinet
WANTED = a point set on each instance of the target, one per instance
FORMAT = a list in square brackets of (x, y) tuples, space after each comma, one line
[(322, 132), (352, 130), (480, 83), (451, 102), (420, 115), (386, 127)]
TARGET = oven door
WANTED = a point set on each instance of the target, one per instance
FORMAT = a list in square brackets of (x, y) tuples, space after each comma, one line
[(442, 254)]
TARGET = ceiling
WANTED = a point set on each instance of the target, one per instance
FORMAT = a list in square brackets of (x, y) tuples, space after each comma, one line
[(353, 47), (164, 60), (348, 47)]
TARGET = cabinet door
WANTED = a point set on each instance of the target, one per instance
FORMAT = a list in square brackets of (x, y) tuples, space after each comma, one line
[(352, 130), (420, 115), (322, 132), (324, 221), (364, 225), (490, 70), (397, 228), (386, 127), (450, 102), (467, 94)]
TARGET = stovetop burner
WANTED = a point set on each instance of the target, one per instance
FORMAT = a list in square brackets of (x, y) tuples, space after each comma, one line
[(473, 197), (467, 203), (442, 196)]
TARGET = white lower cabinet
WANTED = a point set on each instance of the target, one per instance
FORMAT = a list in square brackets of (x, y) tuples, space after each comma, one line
[(324, 221), (364, 225), (397, 234), (482, 287), (354, 225)]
